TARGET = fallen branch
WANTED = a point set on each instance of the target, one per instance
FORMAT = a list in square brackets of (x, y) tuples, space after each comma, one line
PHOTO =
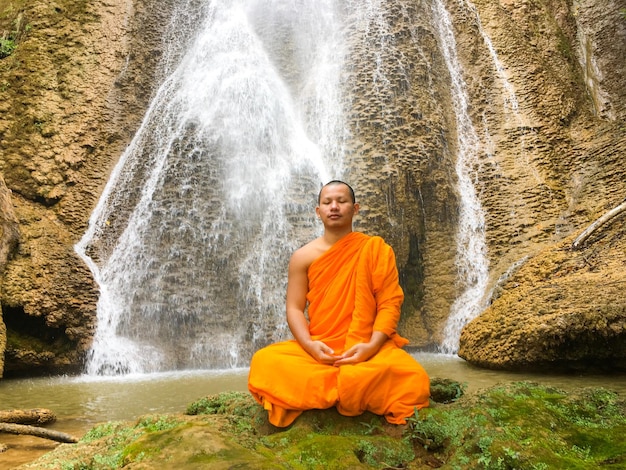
[(597, 224), (22, 429), (33, 416)]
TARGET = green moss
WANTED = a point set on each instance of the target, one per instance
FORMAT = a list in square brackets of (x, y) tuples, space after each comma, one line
[(112, 428), (18, 341), (156, 423), (301, 448), (526, 426), (236, 403), (318, 451), (151, 443), (446, 390), (514, 426), (7, 46)]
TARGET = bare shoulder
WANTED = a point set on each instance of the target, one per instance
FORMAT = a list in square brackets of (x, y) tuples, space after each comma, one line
[(304, 256)]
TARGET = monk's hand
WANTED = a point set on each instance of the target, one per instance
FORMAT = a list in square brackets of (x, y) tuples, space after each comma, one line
[(360, 352), (321, 352)]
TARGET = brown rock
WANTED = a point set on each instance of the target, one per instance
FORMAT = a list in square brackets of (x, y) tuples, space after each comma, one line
[(71, 96), (9, 238), (75, 89), (563, 309)]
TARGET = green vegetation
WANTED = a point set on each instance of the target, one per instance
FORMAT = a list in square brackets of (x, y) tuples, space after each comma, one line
[(10, 39), (243, 415), (117, 442), (446, 390), (526, 426), (515, 426), (7, 46)]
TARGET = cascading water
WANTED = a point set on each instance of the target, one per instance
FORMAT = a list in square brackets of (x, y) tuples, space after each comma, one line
[(216, 189), (471, 260), (190, 240)]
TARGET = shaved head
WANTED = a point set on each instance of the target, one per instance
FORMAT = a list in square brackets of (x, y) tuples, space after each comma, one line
[(337, 182)]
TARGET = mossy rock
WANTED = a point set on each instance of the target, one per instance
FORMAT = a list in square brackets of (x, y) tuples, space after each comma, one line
[(446, 390), (519, 425), (526, 426)]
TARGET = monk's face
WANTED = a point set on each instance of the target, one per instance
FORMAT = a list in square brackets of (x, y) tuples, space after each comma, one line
[(336, 207)]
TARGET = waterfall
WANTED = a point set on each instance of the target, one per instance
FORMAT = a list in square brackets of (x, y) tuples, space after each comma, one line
[(511, 104), (190, 240), (471, 259)]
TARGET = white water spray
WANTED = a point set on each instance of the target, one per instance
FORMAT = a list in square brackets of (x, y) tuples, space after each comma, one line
[(471, 259), (214, 192)]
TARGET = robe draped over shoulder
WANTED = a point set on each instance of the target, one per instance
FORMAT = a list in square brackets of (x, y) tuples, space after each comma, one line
[(353, 291)]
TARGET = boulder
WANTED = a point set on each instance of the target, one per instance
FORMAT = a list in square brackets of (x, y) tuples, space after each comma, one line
[(564, 308)]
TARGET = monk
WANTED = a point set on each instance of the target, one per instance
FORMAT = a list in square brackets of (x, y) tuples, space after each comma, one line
[(343, 306)]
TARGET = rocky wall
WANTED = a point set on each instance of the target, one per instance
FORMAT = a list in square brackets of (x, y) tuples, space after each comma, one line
[(545, 89), (562, 308), (401, 159), (9, 238), (70, 99), (547, 100)]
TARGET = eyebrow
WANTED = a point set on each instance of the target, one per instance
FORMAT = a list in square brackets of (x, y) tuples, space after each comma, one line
[(333, 182)]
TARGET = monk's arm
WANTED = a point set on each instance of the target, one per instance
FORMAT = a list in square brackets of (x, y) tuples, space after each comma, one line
[(388, 293), (297, 288), (388, 298)]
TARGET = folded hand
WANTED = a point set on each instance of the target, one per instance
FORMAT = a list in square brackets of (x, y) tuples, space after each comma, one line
[(321, 352), (358, 353)]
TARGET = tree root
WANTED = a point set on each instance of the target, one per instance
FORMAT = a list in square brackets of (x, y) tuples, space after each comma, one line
[(599, 222), (18, 421), (23, 429)]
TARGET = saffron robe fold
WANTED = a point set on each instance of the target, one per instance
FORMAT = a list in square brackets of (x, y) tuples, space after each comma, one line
[(353, 291)]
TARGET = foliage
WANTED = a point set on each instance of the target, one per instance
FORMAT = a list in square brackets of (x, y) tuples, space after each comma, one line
[(525, 426), (7, 46)]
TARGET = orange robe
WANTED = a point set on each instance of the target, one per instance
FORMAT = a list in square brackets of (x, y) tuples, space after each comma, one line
[(353, 290)]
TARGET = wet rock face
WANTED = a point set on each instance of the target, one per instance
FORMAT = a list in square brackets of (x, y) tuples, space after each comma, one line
[(549, 112), (71, 95), (601, 34), (563, 308), (402, 157), (550, 151), (9, 238)]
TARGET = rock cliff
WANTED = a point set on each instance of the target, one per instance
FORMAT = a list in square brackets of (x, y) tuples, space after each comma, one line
[(556, 307), (546, 88), (71, 94)]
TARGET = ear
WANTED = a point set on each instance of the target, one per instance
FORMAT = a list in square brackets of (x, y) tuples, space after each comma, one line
[(317, 212), (356, 208)]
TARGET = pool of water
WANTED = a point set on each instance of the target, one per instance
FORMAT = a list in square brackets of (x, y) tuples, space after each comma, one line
[(80, 402)]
